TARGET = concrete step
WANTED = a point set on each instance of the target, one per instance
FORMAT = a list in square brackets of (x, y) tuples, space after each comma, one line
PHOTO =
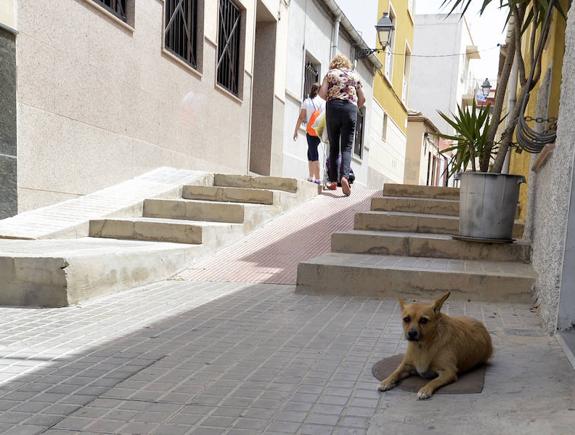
[(63, 272), (228, 194), (426, 245), (446, 207), (253, 182), (415, 191), (385, 276), (194, 210), (70, 218), (162, 230), (414, 222)]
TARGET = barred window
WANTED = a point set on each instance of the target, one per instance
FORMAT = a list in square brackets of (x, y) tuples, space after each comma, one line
[(181, 29), (116, 7), (311, 76), (359, 133), (229, 34)]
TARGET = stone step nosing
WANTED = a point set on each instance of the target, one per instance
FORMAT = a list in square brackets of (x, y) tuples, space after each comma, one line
[(229, 194), (416, 205), (438, 192), (358, 242), (195, 210), (257, 182), (147, 231), (378, 282), (414, 222)]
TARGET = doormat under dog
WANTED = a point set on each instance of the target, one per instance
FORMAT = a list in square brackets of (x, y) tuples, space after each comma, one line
[(468, 383)]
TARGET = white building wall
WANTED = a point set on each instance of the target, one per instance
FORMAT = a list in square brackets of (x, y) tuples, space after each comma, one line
[(439, 83), (8, 13), (99, 102), (387, 158), (310, 31)]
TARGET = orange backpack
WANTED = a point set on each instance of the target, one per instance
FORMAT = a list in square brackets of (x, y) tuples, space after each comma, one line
[(309, 128)]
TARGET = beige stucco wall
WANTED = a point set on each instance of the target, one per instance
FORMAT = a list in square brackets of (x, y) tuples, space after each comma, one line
[(413, 152), (8, 13), (416, 157), (99, 103)]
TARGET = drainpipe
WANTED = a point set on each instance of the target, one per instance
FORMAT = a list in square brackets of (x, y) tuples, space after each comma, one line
[(250, 120), (335, 38)]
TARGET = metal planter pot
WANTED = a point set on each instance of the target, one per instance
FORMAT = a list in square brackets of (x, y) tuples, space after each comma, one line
[(488, 206)]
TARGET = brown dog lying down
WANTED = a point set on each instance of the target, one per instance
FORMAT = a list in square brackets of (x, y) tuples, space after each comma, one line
[(440, 346)]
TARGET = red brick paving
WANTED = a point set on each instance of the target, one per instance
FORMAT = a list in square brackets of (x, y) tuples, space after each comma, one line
[(272, 253)]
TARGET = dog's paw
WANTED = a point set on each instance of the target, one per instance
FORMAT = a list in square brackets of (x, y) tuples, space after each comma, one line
[(424, 394), (386, 386)]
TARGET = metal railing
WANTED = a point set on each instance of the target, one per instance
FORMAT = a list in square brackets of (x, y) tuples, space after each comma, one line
[(116, 7), (229, 31), (180, 31)]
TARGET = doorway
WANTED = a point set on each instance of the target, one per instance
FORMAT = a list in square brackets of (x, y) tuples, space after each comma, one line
[(263, 91)]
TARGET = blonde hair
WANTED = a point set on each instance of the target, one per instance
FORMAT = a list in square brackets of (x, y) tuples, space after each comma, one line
[(340, 62)]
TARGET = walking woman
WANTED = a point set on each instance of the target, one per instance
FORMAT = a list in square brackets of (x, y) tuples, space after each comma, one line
[(310, 110), (343, 91)]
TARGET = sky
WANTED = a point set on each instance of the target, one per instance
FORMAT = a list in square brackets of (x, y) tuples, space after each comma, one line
[(487, 30)]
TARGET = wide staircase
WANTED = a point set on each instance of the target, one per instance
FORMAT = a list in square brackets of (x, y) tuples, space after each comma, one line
[(207, 215), (108, 241), (404, 247)]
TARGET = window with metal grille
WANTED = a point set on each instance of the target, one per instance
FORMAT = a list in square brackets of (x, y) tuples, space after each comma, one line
[(229, 44), (311, 77), (181, 30), (116, 7), (359, 133)]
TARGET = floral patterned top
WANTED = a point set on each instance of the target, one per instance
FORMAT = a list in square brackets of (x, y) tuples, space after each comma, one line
[(343, 85)]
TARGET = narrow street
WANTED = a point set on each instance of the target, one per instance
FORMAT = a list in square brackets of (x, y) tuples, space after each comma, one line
[(225, 349)]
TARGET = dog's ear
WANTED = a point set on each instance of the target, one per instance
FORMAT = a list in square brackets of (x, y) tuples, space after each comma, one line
[(438, 303), (401, 303)]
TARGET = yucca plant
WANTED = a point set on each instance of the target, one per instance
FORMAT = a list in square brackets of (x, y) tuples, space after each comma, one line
[(470, 140), (521, 15)]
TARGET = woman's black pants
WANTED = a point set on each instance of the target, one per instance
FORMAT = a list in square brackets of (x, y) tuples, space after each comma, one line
[(341, 117)]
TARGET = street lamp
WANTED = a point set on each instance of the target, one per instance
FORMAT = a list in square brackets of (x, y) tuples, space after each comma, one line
[(384, 29), (486, 88)]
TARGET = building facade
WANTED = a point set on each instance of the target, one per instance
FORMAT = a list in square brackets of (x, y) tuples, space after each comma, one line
[(388, 131), (318, 29), (110, 89), (445, 77), (8, 139), (547, 199), (425, 165)]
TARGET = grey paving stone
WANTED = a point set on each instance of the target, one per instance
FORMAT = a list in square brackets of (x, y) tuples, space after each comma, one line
[(316, 429), (25, 430), (249, 423), (275, 359), (219, 422), (291, 416), (74, 423), (283, 427), (355, 422), (105, 426), (207, 431)]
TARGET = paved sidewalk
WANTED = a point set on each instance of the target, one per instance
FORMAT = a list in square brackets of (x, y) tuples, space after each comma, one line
[(272, 253), (199, 355), (215, 358)]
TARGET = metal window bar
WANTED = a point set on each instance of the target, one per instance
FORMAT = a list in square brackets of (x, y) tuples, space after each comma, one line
[(228, 66), (359, 129), (116, 7), (311, 77), (181, 29)]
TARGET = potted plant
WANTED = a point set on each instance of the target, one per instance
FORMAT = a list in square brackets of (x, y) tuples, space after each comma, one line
[(488, 198)]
